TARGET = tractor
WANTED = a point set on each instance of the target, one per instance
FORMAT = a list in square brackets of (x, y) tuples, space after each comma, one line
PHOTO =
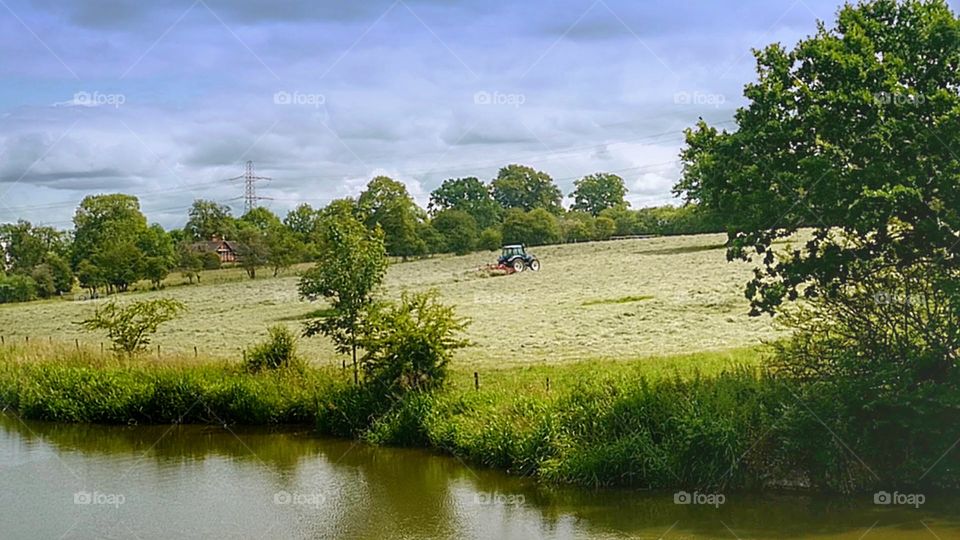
[(515, 258)]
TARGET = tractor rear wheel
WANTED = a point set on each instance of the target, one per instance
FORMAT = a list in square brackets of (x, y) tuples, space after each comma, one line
[(518, 265), (535, 265)]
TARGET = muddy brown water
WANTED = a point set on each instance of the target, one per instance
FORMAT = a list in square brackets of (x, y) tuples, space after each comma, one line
[(87, 481)]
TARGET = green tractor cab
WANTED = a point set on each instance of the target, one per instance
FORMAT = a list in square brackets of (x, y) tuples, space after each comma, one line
[(516, 259)]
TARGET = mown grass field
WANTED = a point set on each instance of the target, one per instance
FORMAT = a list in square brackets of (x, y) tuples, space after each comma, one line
[(614, 300)]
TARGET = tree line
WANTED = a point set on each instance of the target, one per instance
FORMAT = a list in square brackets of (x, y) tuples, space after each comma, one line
[(112, 246)]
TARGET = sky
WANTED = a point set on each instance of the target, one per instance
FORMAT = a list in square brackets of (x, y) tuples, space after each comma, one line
[(168, 100)]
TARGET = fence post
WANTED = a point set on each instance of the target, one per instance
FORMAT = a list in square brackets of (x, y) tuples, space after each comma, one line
[(27, 338), (548, 384), (158, 351), (195, 353), (2, 342), (476, 381), (77, 342), (101, 347)]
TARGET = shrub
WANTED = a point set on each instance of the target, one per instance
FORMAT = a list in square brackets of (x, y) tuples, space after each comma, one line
[(408, 345), (210, 260), (278, 351), (129, 327), (490, 239), (533, 228), (17, 288)]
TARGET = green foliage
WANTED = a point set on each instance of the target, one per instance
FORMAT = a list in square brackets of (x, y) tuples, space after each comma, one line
[(469, 195), (42, 276), (208, 219), (844, 133), (261, 219), (521, 187), (605, 227), (90, 276), (278, 351), (24, 246), (17, 288), (534, 228), (210, 260), (386, 203), (350, 269), (577, 226), (595, 193), (491, 239), (120, 264), (458, 229), (252, 248), (408, 345), (103, 222), (129, 327), (156, 269), (62, 274), (284, 248), (189, 261)]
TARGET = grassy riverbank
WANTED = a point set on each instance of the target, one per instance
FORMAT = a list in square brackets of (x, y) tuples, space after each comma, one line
[(709, 420)]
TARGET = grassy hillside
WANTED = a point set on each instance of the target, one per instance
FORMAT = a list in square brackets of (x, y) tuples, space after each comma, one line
[(605, 300)]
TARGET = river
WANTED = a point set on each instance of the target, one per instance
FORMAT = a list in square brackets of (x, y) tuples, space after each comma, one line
[(143, 482)]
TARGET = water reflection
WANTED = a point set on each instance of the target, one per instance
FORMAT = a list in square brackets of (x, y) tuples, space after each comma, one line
[(201, 481)]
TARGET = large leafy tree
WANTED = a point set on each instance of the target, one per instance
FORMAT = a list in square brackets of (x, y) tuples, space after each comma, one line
[(350, 268), (468, 195), (24, 245), (519, 186), (851, 133), (595, 193), (208, 219), (387, 204), (103, 221), (458, 231)]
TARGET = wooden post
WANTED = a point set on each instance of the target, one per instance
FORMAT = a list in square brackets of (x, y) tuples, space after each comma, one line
[(195, 352), (2, 342), (101, 347), (27, 338), (476, 381), (158, 351), (77, 342), (548, 384)]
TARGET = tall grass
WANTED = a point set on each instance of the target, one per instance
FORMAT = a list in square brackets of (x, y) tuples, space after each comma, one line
[(637, 424)]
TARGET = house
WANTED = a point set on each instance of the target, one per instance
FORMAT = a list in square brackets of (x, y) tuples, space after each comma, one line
[(225, 249)]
